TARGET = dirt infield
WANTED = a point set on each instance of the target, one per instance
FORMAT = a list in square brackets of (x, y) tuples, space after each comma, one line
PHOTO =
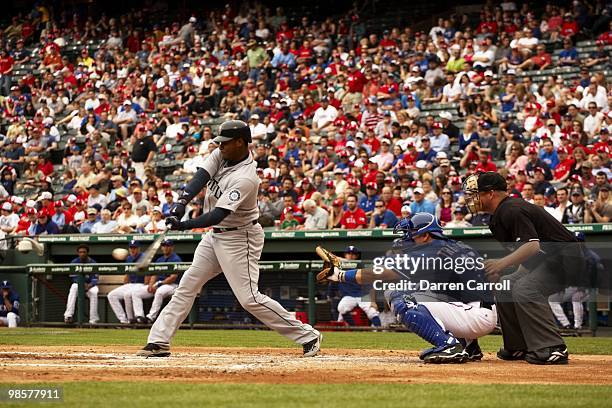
[(246, 365)]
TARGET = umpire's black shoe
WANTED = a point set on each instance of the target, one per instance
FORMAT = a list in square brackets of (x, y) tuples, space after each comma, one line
[(548, 356), (511, 355), (313, 347), (474, 353), (141, 320), (154, 350)]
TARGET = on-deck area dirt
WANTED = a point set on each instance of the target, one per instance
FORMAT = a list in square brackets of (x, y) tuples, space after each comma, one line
[(22, 364)]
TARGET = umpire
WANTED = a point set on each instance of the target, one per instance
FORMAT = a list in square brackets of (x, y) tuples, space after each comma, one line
[(548, 259)]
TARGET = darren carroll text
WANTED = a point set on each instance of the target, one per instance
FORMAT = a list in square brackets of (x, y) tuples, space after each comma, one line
[(407, 285)]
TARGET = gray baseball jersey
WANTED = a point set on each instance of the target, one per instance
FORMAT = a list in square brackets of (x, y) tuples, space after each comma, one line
[(232, 187), (234, 253)]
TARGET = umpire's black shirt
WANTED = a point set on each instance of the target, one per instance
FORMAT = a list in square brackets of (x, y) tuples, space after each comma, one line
[(142, 148), (518, 221)]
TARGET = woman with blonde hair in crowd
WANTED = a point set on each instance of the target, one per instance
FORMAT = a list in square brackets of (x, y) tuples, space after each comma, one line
[(600, 210)]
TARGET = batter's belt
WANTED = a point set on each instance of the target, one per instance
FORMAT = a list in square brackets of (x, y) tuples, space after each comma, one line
[(219, 230)]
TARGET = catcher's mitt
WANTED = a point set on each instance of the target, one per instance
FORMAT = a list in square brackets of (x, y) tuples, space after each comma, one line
[(330, 262)]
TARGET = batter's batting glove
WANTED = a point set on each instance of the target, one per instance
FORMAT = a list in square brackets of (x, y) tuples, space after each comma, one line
[(174, 224), (331, 265), (178, 210)]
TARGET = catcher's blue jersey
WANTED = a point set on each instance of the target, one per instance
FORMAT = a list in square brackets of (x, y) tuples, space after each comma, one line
[(449, 267)]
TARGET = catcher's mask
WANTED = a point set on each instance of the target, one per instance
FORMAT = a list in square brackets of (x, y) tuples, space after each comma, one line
[(481, 182), (403, 227)]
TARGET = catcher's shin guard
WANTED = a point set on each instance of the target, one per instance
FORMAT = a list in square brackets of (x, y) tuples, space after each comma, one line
[(419, 320)]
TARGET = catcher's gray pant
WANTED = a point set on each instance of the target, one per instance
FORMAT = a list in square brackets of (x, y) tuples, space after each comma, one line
[(236, 254), (576, 296)]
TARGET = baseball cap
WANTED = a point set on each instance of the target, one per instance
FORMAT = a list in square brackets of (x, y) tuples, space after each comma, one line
[(490, 181), (444, 163), (157, 209), (352, 249), (134, 244), (92, 211), (7, 206), (418, 190), (330, 184), (5, 285), (372, 185), (272, 189), (441, 155), (337, 202), (406, 208), (446, 115), (167, 242), (421, 164), (46, 195)]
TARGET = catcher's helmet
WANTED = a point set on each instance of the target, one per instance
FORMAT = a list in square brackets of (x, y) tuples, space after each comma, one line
[(233, 129), (422, 222), (403, 227)]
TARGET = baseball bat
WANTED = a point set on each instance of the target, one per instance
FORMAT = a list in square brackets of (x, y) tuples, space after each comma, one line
[(150, 252)]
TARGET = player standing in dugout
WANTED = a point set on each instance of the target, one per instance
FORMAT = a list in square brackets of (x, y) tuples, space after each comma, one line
[(548, 257), (233, 247)]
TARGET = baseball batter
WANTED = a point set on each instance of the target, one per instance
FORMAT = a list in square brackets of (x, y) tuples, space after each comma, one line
[(233, 246)]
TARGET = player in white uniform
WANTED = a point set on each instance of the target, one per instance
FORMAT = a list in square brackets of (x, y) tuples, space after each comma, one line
[(233, 247)]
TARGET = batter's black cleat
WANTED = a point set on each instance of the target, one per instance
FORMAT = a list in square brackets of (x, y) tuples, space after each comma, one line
[(154, 350), (313, 347), (451, 354), (68, 320), (548, 356), (511, 355), (141, 320), (474, 353)]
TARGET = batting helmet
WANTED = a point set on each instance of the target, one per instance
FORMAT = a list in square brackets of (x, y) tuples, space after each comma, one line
[(233, 129), (421, 223)]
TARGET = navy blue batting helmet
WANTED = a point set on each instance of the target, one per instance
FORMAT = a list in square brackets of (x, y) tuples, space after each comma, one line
[(580, 236), (421, 223)]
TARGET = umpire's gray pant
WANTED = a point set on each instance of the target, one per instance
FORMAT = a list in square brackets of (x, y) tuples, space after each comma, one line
[(526, 319), (236, 254)]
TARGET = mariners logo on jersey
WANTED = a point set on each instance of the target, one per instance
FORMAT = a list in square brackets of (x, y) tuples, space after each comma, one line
[(234, 195)]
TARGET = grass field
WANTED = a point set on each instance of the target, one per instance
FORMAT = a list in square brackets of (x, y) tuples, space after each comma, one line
[(261, 338), (189, 392), (151, 395)]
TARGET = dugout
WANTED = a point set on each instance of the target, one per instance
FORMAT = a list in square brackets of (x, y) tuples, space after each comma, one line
[(287, 271)]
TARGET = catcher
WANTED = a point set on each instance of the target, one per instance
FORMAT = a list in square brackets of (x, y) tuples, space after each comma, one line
[(450, 319)]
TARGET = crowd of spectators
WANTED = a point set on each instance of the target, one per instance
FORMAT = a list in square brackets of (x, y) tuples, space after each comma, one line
[(351, 128)]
